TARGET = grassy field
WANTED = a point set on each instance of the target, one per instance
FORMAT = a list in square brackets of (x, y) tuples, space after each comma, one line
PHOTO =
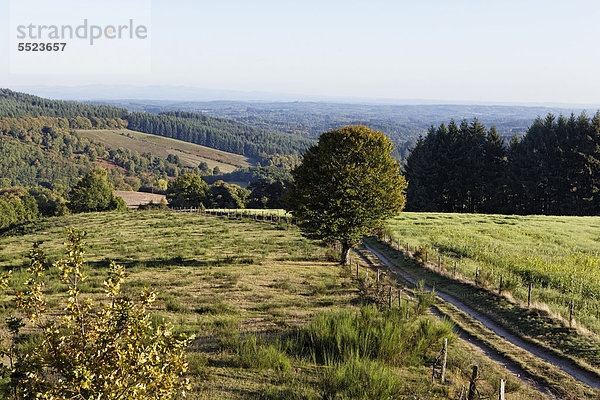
[(136, 199), (190, 154), (269, 308), (560, 255)]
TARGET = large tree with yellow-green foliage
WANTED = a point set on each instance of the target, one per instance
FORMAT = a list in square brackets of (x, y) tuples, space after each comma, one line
[(346, 186)]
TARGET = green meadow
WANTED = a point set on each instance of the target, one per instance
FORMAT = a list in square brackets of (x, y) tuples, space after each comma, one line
[(275, 317), (560, 256)]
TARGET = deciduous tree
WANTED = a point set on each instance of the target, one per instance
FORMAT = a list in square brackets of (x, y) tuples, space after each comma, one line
[(346, 186)]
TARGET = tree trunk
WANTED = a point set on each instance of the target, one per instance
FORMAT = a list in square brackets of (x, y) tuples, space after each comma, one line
[(345, 257)]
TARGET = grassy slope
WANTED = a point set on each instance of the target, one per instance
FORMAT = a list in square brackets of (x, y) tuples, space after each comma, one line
[(190, 154), (135, 199), (217, 278), (560, 254)]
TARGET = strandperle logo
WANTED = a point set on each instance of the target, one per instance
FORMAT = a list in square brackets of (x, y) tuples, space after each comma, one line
[(85, 31)]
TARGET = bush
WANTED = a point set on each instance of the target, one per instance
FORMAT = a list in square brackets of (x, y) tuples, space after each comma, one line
[(118, 204), (50, 203), (252, 354), (359, 379), (420, 253), (17, 206), (385, 336), (92, 193), (105, 351)]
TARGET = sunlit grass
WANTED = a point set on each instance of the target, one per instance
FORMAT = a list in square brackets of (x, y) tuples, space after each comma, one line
[(559, 255)]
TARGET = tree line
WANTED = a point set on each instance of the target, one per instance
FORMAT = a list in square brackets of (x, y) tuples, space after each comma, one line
[(15, 104), (192, 191), (94, 192), (47, 151), (554, 169), (218, 133)]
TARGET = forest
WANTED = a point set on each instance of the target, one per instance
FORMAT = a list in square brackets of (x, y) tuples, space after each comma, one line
[(554, 169), (460, 167), (218, 133), (403, 123), (47, 151)]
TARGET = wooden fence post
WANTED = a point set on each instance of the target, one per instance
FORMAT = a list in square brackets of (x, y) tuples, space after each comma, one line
[(356, 270), (473, 384), (407, 249), (400, 299), (462, 392), (477, 277), (500, 287), (390, 298), (502, 386), (378, 278), (444, 359), (571, 313), (454, 273)]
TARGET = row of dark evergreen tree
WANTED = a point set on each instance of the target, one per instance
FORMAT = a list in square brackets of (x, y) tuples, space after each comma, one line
[(554, 169), (15, 104)]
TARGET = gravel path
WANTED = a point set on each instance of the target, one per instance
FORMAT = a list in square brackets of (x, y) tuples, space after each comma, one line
[(564, 364)]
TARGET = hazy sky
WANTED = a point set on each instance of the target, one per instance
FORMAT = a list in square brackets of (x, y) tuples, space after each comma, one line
[(500, 51)]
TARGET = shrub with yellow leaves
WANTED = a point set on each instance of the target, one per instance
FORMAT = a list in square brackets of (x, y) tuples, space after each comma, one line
[(108, 350)]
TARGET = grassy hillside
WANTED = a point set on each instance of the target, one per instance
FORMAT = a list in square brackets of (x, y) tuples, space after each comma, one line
[(190, 154), (559, 255), (255, 294)]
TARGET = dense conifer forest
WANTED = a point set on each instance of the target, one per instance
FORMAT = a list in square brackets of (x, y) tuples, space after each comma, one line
[(554, 169)]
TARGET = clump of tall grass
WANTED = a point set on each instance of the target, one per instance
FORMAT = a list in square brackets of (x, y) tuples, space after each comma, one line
[(289, 391), (386, 336), (252, 353), (359, 378)]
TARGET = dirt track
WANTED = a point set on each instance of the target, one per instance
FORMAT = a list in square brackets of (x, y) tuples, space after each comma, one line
[(564, 364)]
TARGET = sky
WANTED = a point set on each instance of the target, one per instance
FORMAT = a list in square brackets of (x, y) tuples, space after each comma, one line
[(472, 51)]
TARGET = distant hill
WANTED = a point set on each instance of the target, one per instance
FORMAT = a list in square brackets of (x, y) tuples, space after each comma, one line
[(15, 104), (402, 123), (189, 154), (48, 151), (260, 143)]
